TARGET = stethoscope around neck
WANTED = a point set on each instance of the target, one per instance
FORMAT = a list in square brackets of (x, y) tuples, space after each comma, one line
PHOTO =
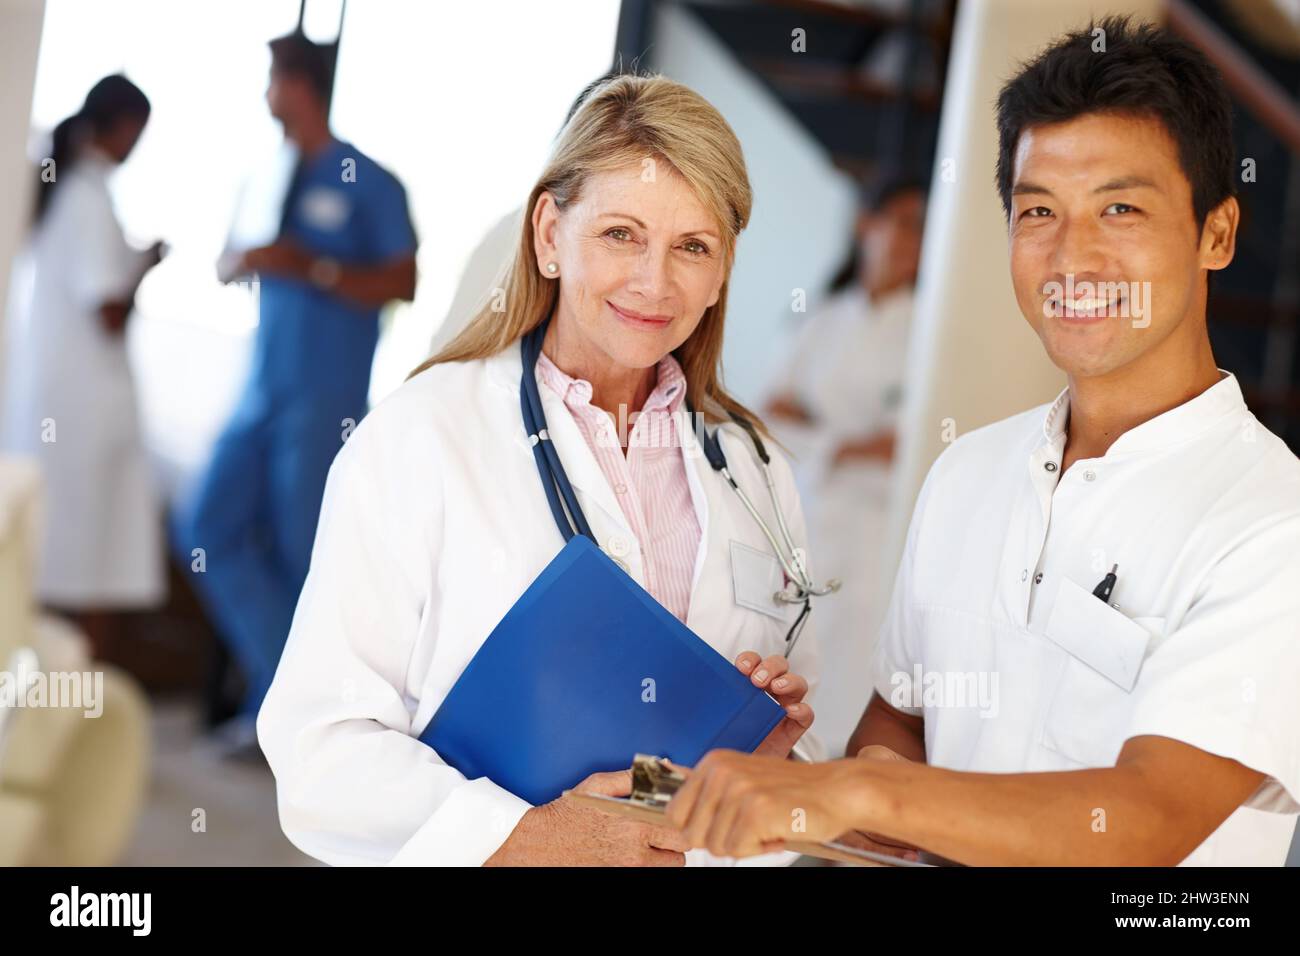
[(569, 516)]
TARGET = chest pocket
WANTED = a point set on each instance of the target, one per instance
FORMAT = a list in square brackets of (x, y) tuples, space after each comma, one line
[(1089, 709), (756, 576), (324, 210)]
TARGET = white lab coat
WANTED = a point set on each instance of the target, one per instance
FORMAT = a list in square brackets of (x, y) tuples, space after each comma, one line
[(434, 522), (71, 403), (847, 369)]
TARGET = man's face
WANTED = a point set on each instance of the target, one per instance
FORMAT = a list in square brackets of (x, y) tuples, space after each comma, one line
[(1106, 256), (287, 95)]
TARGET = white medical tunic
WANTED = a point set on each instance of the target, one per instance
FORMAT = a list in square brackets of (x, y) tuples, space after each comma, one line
[(994, 636), (71, 404)]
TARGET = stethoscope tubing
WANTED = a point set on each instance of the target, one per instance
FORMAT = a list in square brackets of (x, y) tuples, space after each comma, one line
[(570, 518)]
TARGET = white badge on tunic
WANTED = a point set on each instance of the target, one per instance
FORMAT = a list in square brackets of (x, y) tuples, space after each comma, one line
[(757, 576), (1097, 634), (324, 209)]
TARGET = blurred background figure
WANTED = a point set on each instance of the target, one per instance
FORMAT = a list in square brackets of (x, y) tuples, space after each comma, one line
[(836, 404), (70, 396), (345, 248)]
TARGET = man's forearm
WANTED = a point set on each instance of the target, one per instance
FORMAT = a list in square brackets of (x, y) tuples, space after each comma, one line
[(370, 286), (376, 285), (1100, 817)]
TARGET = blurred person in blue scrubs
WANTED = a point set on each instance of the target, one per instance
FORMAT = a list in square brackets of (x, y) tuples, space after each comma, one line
[(346, 247)]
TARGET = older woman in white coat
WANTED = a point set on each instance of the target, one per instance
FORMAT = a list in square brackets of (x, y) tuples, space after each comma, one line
[(434, 520)]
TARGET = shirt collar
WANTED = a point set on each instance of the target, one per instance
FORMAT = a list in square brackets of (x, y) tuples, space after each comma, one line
[(1177, 425), (1058, 413), (668, 395)]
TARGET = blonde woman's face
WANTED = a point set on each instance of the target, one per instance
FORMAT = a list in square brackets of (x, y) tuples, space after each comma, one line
[(640, 260)]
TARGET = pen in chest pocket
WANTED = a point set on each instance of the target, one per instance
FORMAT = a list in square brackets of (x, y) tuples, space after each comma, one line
[(1107, 586)]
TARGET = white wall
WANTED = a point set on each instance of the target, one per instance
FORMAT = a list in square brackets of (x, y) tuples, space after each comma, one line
[(20, 39), (462, 103), (803, 207)]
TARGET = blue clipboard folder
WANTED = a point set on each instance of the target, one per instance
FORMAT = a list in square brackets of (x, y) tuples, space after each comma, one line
[(585, 671)]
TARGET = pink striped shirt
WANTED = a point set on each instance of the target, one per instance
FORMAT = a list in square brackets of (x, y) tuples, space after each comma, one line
[(650, 481)]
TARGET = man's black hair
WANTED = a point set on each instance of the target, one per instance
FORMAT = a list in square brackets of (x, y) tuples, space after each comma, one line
[(297, 56), (1143, 71)]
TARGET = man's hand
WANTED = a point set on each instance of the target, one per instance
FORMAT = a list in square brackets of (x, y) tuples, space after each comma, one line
[(735, 804), (773, 675), (565, 833), (282, 257)]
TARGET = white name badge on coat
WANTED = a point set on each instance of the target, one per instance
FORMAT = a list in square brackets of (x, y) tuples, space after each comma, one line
[(1098, 635), (757, 576), (324, 209)]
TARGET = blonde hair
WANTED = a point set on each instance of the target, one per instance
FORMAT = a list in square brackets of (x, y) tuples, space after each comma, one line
[(623, 121)]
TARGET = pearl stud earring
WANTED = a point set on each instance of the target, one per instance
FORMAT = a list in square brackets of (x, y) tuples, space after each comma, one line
[(552, 268)]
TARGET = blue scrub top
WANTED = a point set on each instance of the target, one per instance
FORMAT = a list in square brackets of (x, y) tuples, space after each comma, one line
[(309, 340)]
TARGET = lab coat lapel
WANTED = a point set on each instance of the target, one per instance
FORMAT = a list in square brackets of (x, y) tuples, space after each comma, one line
[(698, 474), (594, 492), (711, 602), (580, 463)]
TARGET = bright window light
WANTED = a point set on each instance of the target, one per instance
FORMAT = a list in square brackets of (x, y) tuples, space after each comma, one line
[(460, 101)]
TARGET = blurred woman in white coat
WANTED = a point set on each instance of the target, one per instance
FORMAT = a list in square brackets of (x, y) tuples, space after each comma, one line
[(835, 405), (435, 521), (71, 401)]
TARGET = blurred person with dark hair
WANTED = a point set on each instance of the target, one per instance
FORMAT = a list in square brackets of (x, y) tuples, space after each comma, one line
[(345, 248), (835, 405), (70, 393)]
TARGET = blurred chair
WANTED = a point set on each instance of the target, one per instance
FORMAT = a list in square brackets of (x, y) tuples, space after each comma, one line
[(71, 787)]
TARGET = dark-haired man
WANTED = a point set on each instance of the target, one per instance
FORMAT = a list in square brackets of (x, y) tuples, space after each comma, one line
[(345, 248), (1091, 651)]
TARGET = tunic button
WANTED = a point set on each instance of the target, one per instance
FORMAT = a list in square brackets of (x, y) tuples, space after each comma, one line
[(1024, 575), (1050, 466), (1038, 578), (1089, 475), (618, 546)]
